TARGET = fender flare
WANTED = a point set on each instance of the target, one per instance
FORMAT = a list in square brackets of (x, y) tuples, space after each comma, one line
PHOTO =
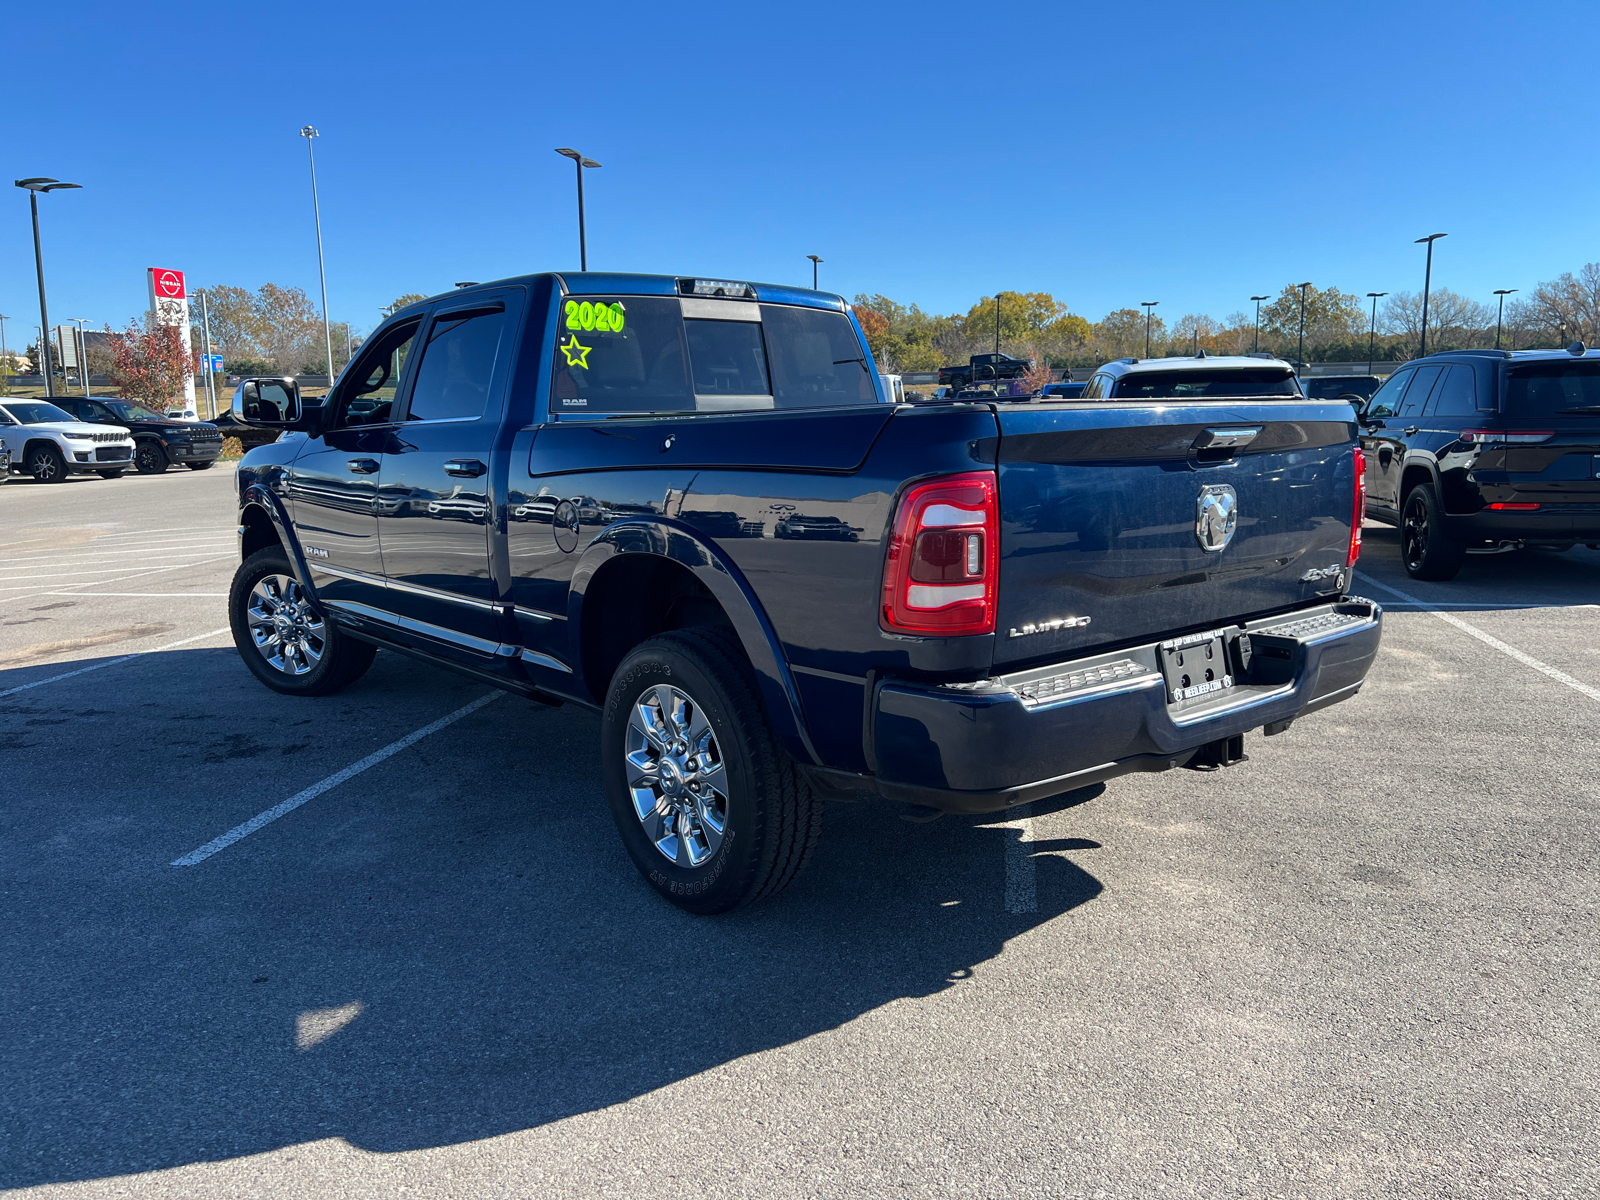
[(728, 586), (1413, 458), (259, 496)]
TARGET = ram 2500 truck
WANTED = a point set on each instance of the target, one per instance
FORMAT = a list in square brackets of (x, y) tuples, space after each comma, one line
[(687, 504)]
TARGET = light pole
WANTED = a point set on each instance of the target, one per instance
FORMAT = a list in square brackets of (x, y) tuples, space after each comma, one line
[(316, 209), (1258, 300), (83, 355), (1300, 354), (997, 327), (1500, 318), (5, 355), (1427, 284), (1149, 312), (34, 187), (580, 162), (814, 261), (1372, 334), (205, 344)]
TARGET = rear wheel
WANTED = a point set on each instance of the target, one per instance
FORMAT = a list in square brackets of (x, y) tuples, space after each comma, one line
[(712, 810), (1426, 548), (46, 465), (283, 638), (150, 458)]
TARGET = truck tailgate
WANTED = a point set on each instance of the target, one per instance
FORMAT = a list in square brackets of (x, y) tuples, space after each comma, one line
[(1099, 507)]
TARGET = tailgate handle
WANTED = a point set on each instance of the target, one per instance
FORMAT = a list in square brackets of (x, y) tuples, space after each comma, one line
[(1227, 439)]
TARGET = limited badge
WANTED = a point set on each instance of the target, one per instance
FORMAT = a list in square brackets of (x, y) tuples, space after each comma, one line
[(1216, 516)]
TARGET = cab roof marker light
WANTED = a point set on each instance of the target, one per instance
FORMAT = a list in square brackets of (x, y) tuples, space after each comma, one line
[(716, 287)]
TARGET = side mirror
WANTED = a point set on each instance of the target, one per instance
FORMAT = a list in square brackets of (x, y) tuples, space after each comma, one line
[(271, 402)]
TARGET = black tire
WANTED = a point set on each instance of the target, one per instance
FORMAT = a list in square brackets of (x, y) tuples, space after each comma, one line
[(46, 465), (1426, 548), (109, 474), (205, 466), (771, 819), (340, 660), (149, 458)]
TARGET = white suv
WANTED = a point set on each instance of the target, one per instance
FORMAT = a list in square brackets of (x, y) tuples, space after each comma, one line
[(50, 443)]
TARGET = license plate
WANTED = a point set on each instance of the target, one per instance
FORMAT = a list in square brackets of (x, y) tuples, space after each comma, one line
[(1195, 666)]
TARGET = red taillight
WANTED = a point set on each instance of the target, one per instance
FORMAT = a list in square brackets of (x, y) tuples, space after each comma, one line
[(942, 573), (1360, 512), (1511, 507), (1515, 437)]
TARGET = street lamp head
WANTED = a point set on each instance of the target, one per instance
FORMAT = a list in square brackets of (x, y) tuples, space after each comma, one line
[(308, 132), (1149, 303), (815, 258), (1504, 291), (588, 162), (1430, 238), (45, 185), (569, 152), (1303, 286), (1261, 297), (1375, 295)]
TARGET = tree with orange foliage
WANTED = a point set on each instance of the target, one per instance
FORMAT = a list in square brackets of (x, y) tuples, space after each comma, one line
[(151, 364)]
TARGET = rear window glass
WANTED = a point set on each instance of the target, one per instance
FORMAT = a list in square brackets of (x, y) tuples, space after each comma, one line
[(816, 358), (620, 354), (639, 354), (1199, 385), (1550, 389)]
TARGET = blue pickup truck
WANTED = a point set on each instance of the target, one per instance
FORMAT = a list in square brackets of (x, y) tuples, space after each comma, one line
[(686, 503)]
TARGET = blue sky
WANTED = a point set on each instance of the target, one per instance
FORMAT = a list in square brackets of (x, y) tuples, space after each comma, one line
[(933, 152)]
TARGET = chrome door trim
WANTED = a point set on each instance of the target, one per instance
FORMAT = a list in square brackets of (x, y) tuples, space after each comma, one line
[(412, 625), (545, 660)]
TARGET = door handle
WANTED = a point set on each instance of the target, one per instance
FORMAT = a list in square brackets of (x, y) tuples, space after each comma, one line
[(467, 468), (363, 466), (1409, 430)]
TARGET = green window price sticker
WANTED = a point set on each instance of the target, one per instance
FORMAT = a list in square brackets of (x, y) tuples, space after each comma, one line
[(587, 316)]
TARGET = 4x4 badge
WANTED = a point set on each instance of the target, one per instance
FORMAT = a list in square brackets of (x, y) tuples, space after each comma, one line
[(1216, 516)]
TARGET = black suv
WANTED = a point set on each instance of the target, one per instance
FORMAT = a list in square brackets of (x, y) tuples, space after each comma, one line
[(158, 441), (1479, 451)]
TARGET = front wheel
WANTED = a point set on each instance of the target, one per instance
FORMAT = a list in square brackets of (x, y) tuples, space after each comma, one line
[(712, 810), (150, 458), (283, 638), (1426, 547), (46, 465)]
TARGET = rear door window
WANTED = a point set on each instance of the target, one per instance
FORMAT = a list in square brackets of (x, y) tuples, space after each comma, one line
[(457, 365), (1456, 395), (729, 362), (1417, 394), (1551, 389)]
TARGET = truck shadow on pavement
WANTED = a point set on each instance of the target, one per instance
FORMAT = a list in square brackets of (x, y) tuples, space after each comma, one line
[(449, 948)]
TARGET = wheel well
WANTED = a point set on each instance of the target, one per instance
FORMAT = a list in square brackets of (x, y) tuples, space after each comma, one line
[(34, 443), (634, 597), (259, 531), (1412, 476)]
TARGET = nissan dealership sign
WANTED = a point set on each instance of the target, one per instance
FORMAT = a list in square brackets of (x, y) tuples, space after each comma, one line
[(169, 305)]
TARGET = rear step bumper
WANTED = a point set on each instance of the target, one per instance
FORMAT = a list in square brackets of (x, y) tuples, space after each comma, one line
[(987, 746)]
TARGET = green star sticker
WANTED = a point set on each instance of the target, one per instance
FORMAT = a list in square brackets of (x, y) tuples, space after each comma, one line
[(577, 356)]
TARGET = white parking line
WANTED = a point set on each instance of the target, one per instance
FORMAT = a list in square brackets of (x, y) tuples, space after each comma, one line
[(1022, 890), (332, 781), (23, 594), (1526, 660), (147, 595), (111, 662)]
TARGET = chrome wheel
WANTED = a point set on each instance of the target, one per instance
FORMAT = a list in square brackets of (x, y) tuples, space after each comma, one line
[(675, 775), (283, 626)]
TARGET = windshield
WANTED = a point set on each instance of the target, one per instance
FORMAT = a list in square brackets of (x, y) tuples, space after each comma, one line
[(129, 411), (1201, 385), (1550, 388), (37, 412), (1333, 388)]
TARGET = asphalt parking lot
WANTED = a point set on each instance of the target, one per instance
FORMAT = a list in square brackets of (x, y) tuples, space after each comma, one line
[(1362, 963)]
